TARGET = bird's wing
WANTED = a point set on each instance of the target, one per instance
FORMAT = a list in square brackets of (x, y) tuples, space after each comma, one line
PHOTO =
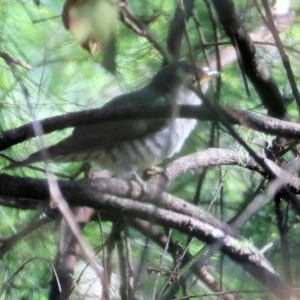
[(89, 138), (85, 139)]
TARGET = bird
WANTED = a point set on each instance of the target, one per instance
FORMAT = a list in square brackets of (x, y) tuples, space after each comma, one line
[(127, 147)]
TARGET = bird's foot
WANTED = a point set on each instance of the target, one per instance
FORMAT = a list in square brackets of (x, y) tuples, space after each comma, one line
[(157, 175), (156, 170), (141, 182)]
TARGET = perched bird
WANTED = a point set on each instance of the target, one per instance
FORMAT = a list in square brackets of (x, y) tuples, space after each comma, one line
[(125, 147)]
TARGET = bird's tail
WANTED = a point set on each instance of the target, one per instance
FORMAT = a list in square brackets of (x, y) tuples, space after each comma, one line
[(34, 157)]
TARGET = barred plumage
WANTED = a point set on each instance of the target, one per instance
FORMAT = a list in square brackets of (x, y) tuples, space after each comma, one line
[(128, 146)]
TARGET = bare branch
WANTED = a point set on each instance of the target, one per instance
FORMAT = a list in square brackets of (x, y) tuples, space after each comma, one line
[(8, 243), (258, 74), (173, 248), (248, 257), (10, 60), (100, 115), (144, 30)]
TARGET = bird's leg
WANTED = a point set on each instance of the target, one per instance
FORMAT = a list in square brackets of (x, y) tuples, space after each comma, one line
[(141, 182)]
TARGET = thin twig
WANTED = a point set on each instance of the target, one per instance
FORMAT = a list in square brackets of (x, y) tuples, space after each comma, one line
[(10, 60), (160, 263), (129, 262), (144, 29), (61, 175), (175, 269), (23, 266)]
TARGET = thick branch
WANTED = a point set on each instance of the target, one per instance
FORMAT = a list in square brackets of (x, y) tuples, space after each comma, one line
[(89, 192), (67, 256), (219, 157), (284, 20), (37, 189), (258, 74), (104, 188), (105, 193), (100, 115)]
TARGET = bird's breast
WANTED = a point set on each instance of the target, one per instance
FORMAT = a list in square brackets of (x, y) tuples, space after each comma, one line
[(143, 153)]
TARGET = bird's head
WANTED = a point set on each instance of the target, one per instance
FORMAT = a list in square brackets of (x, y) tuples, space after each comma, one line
[(205, 76), (181, 73)]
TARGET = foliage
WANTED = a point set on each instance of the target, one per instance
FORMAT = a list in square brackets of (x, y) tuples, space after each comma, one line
[(64, 78)]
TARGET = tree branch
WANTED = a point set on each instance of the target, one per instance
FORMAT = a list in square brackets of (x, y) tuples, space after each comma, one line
[(174, 249), (82, 191), (258, 74), (177, 26), (100, 115), (114, 195), (10, 60)]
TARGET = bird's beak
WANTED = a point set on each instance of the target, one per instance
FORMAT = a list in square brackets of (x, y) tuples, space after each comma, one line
[(208, 76)]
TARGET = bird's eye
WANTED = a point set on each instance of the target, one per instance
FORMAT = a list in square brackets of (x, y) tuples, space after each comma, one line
[(194, 79)]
